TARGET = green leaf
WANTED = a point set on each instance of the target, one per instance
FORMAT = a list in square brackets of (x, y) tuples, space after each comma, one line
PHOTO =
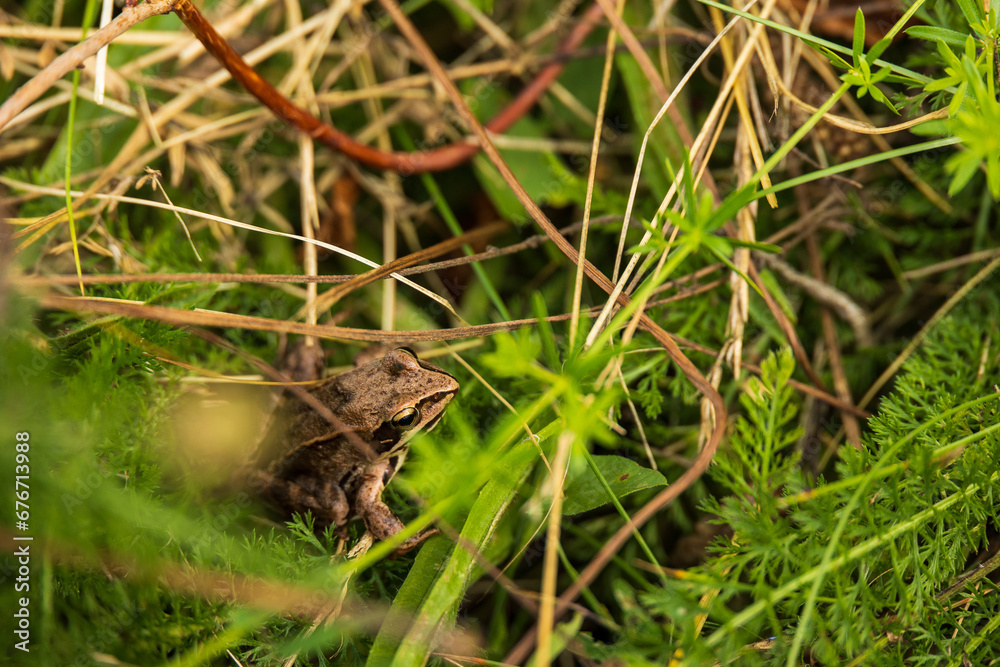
[(880, 75), (974, 78), (941, 84), (972, 10), (721, 252), (956, 102), (880, 96), (949, 55), (970, 47), (732, 204), (584, 491), (933, 33), (690, 203), (755, 245), (858, 45), (854, 80), (993, 175), (835, 60)]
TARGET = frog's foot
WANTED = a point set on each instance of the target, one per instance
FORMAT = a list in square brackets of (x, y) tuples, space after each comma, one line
[(379, 519), (414, 542), (327, 501)]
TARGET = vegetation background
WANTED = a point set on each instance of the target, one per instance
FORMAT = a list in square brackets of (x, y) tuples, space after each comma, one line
[(812, 218)]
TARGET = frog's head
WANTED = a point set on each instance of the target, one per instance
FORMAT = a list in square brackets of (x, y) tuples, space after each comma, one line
[(424, 391), (395, 397)]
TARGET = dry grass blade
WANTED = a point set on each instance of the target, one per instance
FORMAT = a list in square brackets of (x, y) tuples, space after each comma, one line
[(58, 216), (721, 100), (546, 612), (65, 63), (333, 295), (667, 105), (744, 108), (529, 243), (591, 176)]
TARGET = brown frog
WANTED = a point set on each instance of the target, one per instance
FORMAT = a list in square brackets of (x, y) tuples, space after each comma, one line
[(305, 463)]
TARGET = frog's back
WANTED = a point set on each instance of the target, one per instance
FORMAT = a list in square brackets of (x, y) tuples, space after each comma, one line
[(301, 441)]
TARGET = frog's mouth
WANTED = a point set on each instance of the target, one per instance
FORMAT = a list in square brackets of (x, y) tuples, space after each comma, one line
[(435, 403)]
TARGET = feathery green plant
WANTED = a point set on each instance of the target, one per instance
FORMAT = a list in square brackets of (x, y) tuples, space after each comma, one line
[(861, 567)]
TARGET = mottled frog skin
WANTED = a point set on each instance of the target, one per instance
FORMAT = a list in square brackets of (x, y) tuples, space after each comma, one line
[(307, 464)]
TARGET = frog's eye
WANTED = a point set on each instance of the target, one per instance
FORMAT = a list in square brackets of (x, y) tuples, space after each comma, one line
[(406, 418)]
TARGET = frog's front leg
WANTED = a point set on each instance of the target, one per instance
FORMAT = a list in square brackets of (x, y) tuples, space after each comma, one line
[(327, 501), (379, 519)]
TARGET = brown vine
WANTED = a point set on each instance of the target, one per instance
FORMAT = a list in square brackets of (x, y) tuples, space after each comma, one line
[(436, 159)]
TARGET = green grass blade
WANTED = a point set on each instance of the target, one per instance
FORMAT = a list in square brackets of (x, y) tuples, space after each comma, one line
[(438, 580)]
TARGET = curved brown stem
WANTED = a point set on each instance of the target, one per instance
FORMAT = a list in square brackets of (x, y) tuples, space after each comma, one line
[(436, 159)]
